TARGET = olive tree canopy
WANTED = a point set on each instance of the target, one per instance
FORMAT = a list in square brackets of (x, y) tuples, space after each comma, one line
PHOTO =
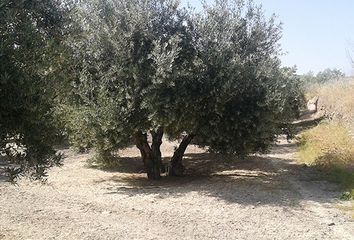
[(213, 77)]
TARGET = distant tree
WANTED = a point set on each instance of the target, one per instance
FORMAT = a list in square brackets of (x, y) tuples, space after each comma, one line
[(308, 78), (329, 74), (30, 33), (322, 76)]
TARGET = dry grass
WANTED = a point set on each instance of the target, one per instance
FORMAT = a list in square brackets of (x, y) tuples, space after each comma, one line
[(330, 147), (328, 144), (337, 99), (348, 209)]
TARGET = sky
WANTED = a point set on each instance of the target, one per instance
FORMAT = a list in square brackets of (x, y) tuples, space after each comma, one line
[(317, 34)]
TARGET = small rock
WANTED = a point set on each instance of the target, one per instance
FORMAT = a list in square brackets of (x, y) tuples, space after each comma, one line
[(331, 224)]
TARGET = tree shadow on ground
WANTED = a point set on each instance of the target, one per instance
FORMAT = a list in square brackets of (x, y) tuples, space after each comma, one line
[(3, 165), (122, 165), (286, 148), (255, 180)]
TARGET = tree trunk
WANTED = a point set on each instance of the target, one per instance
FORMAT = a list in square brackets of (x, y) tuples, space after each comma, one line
[(177, 168), (155, 148), (149, 159)]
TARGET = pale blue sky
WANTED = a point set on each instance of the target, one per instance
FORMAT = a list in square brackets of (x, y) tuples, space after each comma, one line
[(316, 33)]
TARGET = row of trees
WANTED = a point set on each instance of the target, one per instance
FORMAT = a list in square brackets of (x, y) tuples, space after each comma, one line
[(104, 74), (321, 77)]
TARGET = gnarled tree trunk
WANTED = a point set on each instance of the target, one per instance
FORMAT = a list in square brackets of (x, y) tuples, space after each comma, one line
[(150, 155), (177, 168), (155, 148)]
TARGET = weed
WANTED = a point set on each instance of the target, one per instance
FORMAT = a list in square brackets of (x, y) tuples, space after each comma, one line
[(330, 147)]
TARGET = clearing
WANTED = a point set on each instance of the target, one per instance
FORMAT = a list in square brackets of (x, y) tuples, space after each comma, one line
[(266, 196)]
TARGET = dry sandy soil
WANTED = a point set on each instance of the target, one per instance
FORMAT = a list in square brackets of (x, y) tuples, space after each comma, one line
[(263, 197)]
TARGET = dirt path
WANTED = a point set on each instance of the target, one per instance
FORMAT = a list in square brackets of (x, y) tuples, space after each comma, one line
[(263, 197)]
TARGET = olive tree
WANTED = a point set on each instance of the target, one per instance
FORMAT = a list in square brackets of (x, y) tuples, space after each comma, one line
[(322, 77), (143, 67), (30, 35), (125, 51), (237, 97)]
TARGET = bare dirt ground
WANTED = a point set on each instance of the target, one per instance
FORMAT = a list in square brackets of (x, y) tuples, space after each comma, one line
[(263, 197)]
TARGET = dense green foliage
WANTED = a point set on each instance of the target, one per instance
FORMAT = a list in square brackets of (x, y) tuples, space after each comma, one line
[(150, 66), (111, 72), (249, 95), (30, 32)]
